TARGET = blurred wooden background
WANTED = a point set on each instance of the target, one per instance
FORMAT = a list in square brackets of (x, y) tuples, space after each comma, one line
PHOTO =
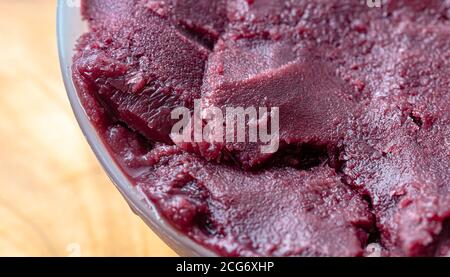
[(55, 199)]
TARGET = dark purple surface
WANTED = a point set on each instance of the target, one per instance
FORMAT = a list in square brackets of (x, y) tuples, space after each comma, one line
[(364, 119)]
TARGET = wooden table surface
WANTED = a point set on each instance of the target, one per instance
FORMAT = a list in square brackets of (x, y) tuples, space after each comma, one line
[(55, 200)]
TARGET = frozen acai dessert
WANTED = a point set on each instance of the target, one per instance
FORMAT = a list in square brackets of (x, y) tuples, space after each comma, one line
[(362, 163)]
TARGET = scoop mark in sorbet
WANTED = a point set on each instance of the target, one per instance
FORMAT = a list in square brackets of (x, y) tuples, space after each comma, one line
[(237, 125)]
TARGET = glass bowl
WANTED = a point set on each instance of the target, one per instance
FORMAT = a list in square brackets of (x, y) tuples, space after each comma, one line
[(69, 28)]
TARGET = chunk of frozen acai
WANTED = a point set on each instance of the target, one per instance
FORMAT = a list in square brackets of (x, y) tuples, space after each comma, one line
[(143, 70), (277, 212), (205, 19), (312, 104)]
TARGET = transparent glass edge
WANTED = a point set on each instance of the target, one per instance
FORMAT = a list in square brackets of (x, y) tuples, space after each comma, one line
[(179, 242)]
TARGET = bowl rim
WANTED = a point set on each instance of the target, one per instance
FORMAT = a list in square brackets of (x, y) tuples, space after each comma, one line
[(140, 205)]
